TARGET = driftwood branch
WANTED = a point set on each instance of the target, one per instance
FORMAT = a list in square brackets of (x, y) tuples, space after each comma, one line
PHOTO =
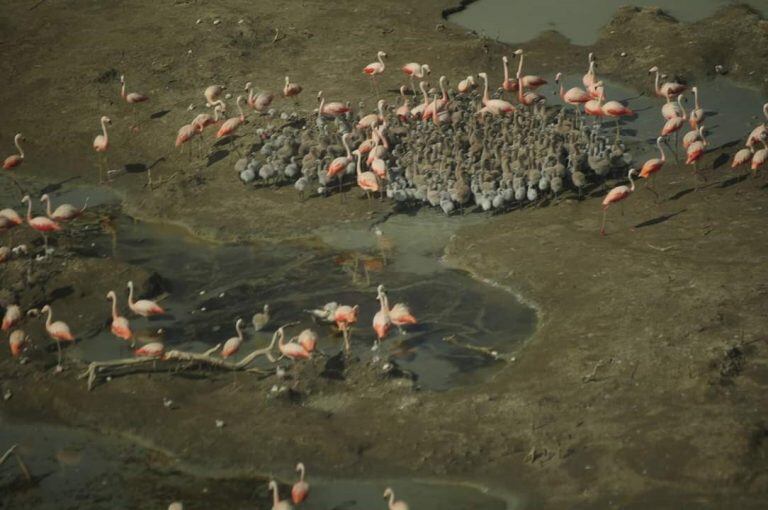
[(485, 351), (179, 360)]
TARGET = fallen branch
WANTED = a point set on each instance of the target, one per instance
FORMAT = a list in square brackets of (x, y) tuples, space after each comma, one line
[(179, 360), (491, 353)]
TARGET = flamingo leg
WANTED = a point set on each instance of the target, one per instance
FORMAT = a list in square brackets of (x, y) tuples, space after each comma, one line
[(602, 227), (58, 349)]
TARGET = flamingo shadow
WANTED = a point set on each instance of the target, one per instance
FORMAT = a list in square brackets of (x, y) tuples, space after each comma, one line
[(50, 188), (733, 180), (658, 220), (681, 194), (160, 114), (216, 156)]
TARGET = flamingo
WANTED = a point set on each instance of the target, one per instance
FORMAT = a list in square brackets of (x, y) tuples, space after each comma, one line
[(671, 109), (393, 504), (670, 88), (742, 156), (345, 316), (437, 105), (206, 119), (674, 124), (150, 350), (401, 316), (15, 160), (756, 135), (690, 137), (291, 350), (131, 97), (101, 144), (508, 85), (212, 94), (494, 106), (276, 503), (120, 326), (231, 124), (291, 89), (466, 85), (418, 110), (372, 119), (574, 96), (258, 102), (526, 98), (696, 118), (375, 69), (308, 340), (300, 489), (232, 345), (616, 110), (594, 107), (11, 317), (696, 150), (339, 165), (40, 223), (382, 322), (760, 157), (529, 81), (143, 307), (652, 166), (9, 219), (331, 109), (414, 70), (186, 133), (590, 78), (403, 111), (58, 331), (617, 194), (64, 212), (17, 341), (366, 180)]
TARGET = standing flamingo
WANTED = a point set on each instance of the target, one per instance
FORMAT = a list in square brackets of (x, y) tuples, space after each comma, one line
[(616, 110), (291, 350), (590, 78), (366, 180), (11, 317), (382, 323), (697, 115), (741, 157), (331, 109), (671, 109), (375, 69), (437, 105), (345, 316), (339, 165), (143, 307), (186, 133), (40, 223), (308, 340), (594, 107), (652, 166), (276, 503), (231, 124), (17, 341), (121, 328), (670, 88), (372, 119), (508, 85), (64, 212), (674, 124), (394, 504), (494, 106), (617, 194), (131, 97), (414, 70), (756, 135), (574, 96), (291, 89), (695, 151), (529, 81), (300, 489), (15, 160), (101, 144), (401, 316), (232, 345), (403, 111), (58, 331)]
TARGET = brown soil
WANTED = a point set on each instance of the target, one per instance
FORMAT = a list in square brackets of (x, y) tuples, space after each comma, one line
[(672, 313)]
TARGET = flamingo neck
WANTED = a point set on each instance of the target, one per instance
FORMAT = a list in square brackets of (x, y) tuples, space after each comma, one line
[(104, 130), (239, 329), (506, 71), (29, 211), (442, 88), (661, 150), (16, 142), (656, 83), (485, 89), (696, 98), (322, 103), (520, 66), (591, 70), (47, 200), (301, 472), (281, 336), (359, 158), (380, 59), (240, 108), (682, 109), (391, 500), (48, 320), (631, 181), (275, 497), (346, 146), (114, 306), (122, 88)]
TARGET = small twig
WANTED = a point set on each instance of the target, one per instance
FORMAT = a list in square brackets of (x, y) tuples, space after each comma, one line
[(7, 454), (22, 465), (277, 36), (491, 353), (591, 377), (664, 249)]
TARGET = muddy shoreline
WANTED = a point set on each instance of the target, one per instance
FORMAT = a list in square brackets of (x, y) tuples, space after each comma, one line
[(643, 384)]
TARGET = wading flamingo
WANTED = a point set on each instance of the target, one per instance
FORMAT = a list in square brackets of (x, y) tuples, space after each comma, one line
[(232, 345), (616, 110), (675, 123), (574, 96), (671, 109), (617, 194), (382, 323), (276, 503), (143, 307), (121, 328), (15, 160), (696, 150), (508, 85), (696, 118), (291, 89), (300, 489), (652, 166), (58, 331), (741, 157), (345, 316), (42, 224), (668, 89), (529, 81), (394, 504), (291, 350), (101, 145), (64, 212)]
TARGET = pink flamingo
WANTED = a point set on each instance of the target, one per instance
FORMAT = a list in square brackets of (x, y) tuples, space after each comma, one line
[(143, 307), (760, 157), (616, 110), (276, 503), (671, 109), (418, 110), (757, 134), (300, 489), (40, 223), (414, 70), (231, 124), (392, 503), (652, 166), (466, 85), (372, 119), (11, 317), (15, 160), (186, 133), (213, 94), (696, 150), (308, 340), (403, 111), (617, 194), (494, 106), (206, 119), (131, 97), (667, 89), (690, 137), (437, 105), (291, 350), (232, 345), (338, 165), (529, 81), (150, 350), (401, 316), (291, 89), (375, 69), (574, 96), (382, 323), (17, 341), (674, 124), (594, 107), (58, 331), (121, 328), (526, 98), (9, 219), (741, 157), (590, 78), (331, 109), (508, 85), (366, 180), (64, 212), (345, 316), (258, 102), (101, 145), (696, 117)]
